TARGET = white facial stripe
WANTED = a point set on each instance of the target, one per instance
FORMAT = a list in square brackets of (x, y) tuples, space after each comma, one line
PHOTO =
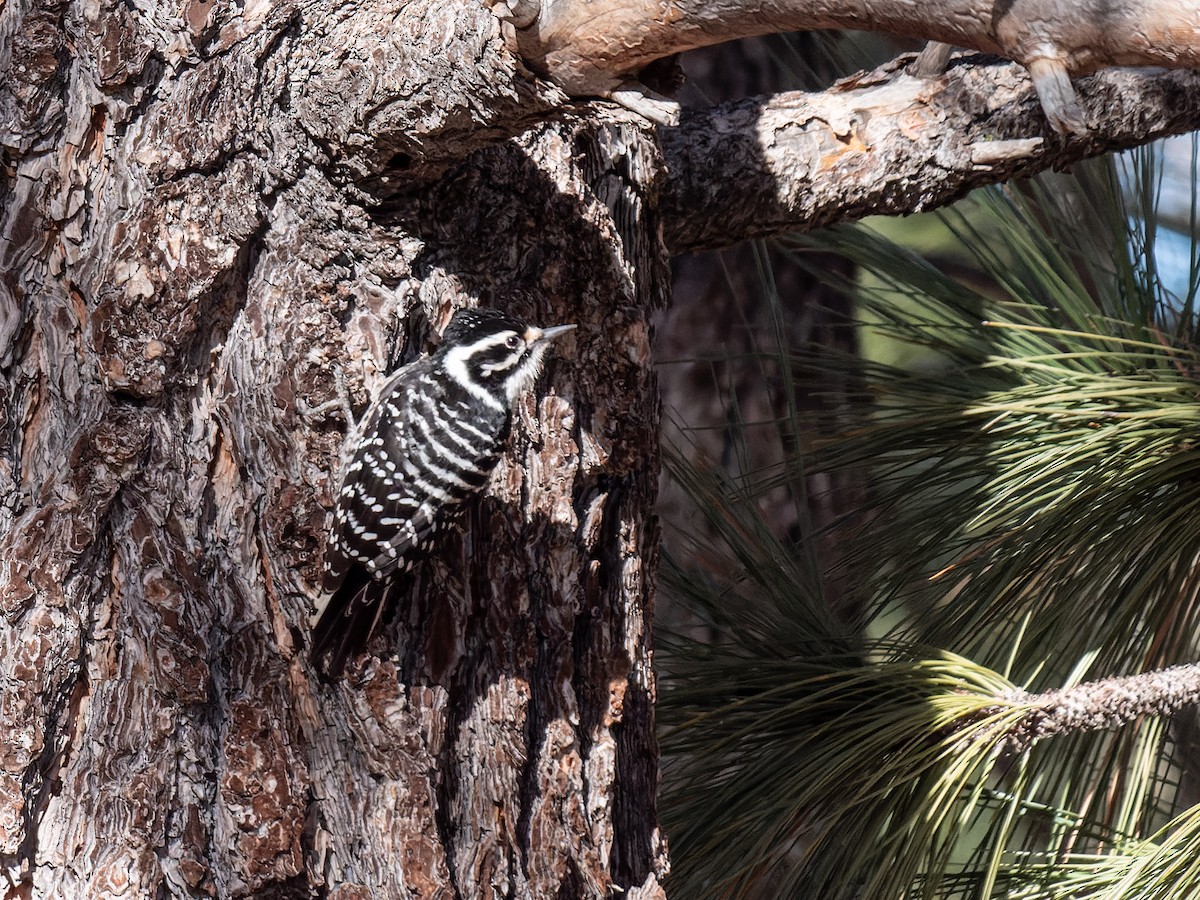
[(456, 365), (526, 373)]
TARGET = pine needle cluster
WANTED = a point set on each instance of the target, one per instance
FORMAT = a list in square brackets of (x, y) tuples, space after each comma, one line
[(1010, 709)]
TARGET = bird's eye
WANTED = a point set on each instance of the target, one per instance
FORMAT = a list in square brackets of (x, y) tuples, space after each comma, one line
[(514, 342)]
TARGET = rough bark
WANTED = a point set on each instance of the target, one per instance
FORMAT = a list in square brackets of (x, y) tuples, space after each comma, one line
[(525, 678), (189, 254), (1106, 704)]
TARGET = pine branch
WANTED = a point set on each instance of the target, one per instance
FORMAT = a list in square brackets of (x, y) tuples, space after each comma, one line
[(888, 143), (1101, 705), (592, 47)]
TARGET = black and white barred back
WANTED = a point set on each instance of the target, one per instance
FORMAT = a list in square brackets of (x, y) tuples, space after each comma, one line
[(427, 444)]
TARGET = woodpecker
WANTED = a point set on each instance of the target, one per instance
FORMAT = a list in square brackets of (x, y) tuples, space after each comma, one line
[(428, 443)]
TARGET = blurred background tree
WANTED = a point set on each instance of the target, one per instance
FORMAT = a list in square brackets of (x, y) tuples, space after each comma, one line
[(931, 564)]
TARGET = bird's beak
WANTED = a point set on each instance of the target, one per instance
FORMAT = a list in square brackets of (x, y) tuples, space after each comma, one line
[(539, 335)]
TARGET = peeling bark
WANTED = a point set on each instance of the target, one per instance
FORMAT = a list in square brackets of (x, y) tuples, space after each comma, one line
[(888, 143)]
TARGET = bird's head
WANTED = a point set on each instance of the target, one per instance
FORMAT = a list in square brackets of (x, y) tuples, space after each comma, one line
[(487, 350)]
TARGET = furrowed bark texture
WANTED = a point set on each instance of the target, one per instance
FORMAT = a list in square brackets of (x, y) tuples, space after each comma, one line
[(191, 248), (525, 677)]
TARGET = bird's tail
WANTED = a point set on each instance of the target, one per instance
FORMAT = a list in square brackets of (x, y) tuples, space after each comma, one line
[(349, 619)]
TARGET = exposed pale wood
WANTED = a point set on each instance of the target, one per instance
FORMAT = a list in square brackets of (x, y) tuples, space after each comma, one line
[(890, 143), (591, 46)]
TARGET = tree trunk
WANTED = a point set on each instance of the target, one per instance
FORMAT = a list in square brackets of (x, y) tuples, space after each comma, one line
[(187, 267), (212, 214)]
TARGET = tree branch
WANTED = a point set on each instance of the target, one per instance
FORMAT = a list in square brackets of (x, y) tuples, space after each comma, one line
[(1104, 704), (893, 144), (591, 47)]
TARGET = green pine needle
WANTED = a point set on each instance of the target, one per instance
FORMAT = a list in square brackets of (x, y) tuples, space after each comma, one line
[(1031, 466)]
